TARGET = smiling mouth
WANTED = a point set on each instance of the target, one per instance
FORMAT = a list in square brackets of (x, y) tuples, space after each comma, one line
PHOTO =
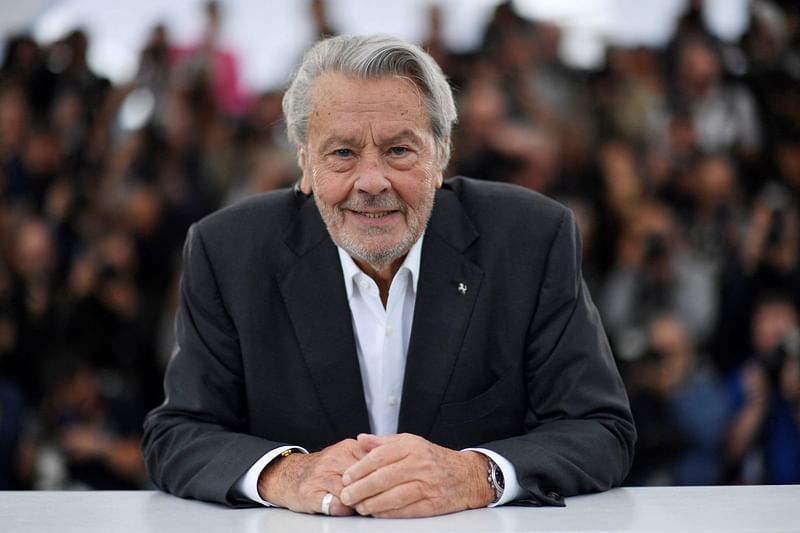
[(374, 215)]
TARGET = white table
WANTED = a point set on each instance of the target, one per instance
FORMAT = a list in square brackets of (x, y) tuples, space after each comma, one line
[(728, 509)]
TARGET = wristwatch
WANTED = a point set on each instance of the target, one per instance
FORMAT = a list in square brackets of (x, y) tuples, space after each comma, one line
[(496, 480)]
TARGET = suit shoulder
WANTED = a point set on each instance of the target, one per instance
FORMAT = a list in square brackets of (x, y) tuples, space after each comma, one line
[(275, 210), (498, 202)]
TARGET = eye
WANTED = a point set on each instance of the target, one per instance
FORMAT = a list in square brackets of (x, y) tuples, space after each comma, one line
[(343, 152), (398, 151)]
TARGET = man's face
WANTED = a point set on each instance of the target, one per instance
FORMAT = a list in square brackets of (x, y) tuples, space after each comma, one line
[(372, 164)]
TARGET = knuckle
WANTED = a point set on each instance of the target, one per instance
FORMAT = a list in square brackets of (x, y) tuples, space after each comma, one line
[(416, 439), (417, 491), (374, 458)]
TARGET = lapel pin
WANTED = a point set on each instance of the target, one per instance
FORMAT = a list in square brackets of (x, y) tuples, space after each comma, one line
[(462, 288)]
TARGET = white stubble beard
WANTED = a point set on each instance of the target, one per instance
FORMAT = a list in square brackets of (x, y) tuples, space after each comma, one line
[(380, 258)]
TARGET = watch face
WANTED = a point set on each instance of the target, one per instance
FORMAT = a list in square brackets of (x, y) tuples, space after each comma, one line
[(498, 477)]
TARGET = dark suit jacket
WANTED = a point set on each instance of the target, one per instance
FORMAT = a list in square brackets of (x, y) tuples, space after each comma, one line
[(266, 355)]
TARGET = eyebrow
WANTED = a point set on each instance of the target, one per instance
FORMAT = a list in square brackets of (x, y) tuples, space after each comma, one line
[(337, 140), (406, 135)]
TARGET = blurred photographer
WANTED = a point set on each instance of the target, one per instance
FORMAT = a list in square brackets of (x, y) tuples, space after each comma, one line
[(655, 274), (106, 319), (680, 408), (763, 444), (773, 236), (90, 432), (768, 260)]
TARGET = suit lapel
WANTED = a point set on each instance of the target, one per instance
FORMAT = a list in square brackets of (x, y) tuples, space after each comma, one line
[(448, 287), (315, 297)]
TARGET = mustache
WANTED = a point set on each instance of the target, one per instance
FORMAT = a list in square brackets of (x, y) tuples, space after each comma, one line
[(388, 202)]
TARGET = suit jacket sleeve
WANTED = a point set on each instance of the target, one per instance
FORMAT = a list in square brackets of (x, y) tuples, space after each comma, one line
[(195, 444), (579, 433)]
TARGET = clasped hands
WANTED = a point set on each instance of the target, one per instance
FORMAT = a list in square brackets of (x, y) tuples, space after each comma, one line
[(384, 476)]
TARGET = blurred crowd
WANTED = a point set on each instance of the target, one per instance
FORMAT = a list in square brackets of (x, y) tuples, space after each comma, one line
[(682, 165)]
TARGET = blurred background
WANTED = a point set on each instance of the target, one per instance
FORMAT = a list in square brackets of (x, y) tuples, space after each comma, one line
[(670, 127)]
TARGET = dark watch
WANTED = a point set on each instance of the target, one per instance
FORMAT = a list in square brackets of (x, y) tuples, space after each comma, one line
[(496, 480)]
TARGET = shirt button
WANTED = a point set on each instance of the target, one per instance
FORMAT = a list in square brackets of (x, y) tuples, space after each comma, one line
[(392, 400), (389, 331), (364, 284)]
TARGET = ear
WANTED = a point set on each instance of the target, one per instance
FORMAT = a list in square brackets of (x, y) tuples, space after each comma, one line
[(305, 181), (443, 147)]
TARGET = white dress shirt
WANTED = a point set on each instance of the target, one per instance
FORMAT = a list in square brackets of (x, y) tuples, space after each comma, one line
[(382, 335)]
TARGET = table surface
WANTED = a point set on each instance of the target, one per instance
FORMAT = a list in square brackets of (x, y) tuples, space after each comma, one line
[(729, 509)]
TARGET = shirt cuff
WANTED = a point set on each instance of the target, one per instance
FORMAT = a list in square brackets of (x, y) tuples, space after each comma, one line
[(512, 490), (247, 486)]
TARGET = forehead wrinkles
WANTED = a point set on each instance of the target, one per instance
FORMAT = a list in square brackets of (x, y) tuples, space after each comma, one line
[(334, 94)]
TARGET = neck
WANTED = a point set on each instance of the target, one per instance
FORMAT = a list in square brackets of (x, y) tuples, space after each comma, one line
[(382, 273)]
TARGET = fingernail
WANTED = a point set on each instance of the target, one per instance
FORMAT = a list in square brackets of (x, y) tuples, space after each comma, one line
[(345, 497), (346, 479)]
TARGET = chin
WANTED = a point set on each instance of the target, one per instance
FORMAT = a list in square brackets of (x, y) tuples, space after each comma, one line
[(378, 256)]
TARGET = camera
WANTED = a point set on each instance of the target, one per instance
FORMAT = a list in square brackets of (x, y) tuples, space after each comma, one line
[(777, 200), (774, 362), (109, 273), (656, 248)]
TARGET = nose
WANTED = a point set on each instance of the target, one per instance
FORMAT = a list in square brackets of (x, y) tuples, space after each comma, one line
[(371, 177)]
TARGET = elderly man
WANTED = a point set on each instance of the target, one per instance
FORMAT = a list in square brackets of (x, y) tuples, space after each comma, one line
[(378, 341)]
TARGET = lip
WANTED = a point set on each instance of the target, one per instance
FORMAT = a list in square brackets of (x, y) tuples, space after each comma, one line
[(373, 217)]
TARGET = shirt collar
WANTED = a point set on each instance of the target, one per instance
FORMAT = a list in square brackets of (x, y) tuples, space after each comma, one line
[(410, 264)]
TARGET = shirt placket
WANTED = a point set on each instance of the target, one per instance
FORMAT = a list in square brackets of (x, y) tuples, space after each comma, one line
[(393, 350)]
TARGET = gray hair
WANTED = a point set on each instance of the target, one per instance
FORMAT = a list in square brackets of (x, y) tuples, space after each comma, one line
[(370, 57)]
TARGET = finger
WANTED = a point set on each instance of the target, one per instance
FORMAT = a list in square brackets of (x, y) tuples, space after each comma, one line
[(337, 458), (358, 450), (394, 500), (373, 441), (321, 477), (368, 442), (313, 497), (379, 481), (337, 508), (420, 509), (379, 457)]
